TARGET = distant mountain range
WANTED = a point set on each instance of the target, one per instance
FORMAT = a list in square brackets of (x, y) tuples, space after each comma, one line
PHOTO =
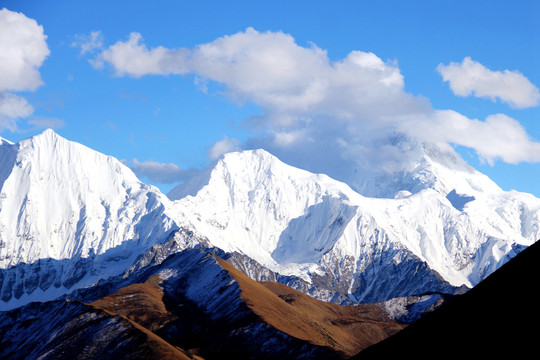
[(78, 224)]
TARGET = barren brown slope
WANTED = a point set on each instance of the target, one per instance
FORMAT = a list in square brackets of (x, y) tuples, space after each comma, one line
[(347, 329), (155, 347), (142, 306), (141, 303)]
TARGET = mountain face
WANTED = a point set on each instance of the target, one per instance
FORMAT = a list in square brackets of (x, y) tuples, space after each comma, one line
[(192, 305), (70, 217), (457, 227)]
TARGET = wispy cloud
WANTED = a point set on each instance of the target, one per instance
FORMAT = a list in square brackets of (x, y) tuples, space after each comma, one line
[(42, 122), (13, 107), (470, 78), (164, 173), (88, 43)]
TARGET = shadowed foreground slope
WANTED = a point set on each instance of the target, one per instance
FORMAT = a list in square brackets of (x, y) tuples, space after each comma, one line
[(498, 318), (65, 329)]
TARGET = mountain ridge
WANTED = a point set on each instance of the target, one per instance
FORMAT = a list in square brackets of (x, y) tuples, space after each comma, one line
[(193, 305), (70, 216), (460, 236)]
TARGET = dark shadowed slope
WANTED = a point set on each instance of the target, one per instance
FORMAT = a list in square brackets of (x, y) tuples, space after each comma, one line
[(72, 330), (498, 318)]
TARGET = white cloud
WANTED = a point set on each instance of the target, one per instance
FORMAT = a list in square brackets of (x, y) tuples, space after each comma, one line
[(498, 137), (472, 78), (165, 173), (14, 106), (23, 49), (331, 116), (289, 81), (222, 147), (135, 59)]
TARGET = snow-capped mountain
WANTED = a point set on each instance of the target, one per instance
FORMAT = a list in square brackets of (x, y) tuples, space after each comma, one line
[(70, 215), (456, 229)]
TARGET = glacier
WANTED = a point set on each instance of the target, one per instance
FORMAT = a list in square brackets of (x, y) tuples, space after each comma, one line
[(71, 216)]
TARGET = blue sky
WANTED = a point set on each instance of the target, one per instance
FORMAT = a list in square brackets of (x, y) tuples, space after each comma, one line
[(166, 85)]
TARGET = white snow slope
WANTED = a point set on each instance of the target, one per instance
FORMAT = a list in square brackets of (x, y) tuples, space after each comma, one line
[(81, 214), (70, 216), (297, 223)]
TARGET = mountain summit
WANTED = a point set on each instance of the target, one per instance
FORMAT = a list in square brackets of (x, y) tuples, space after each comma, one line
[(68, 215), (457, 227)]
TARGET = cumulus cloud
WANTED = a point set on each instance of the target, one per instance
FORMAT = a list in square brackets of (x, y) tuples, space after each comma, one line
[(332, 116), (133, 58), (290, 82), (497, 137), (472, 78), (23, 49), (165, 173)]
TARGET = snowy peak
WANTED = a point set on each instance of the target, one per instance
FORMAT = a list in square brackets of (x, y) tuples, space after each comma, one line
[(416, 166), (47, 136), (451, 173), (251, 197), (50, 151), (250, 168), (444, 155), (449, 225), (70, 216), (67, 205)]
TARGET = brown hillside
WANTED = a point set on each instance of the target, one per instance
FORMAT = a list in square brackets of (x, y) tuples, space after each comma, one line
[(347, 329), (142, 305)]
